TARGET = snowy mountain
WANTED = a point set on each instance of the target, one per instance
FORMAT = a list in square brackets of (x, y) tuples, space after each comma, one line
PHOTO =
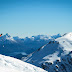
[(8, 64), (15, 46), (6, 37), (55, 56)]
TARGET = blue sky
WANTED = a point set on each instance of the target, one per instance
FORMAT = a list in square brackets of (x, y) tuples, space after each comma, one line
[(33, 17)]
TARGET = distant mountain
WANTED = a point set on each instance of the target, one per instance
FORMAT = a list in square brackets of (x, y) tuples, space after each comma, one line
[(55, 56), (12, 46), (8, 64)]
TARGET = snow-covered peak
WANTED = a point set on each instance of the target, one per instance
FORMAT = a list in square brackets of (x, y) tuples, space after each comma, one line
[(68, 36), (8, 64), (7, 37)]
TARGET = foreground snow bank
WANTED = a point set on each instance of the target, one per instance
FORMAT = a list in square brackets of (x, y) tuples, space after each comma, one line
[(8, 64)]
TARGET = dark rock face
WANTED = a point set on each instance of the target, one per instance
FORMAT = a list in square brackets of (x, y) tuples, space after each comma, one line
[(64, 65)]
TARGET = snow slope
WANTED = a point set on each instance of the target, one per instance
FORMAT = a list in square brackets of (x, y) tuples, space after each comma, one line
[(55, 56), (8, 64)]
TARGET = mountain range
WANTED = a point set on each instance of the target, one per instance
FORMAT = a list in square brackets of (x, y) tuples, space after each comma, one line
[(51, 53), (14, 46), (54, 56)]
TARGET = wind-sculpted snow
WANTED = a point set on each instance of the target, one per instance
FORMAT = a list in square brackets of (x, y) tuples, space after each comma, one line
[(10, 45), (8, 64), (55, 56)]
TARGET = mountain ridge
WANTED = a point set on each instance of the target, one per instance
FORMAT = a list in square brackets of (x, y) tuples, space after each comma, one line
[(54, 51)]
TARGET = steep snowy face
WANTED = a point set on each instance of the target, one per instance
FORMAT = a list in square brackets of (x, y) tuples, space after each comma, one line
[(51, 56), (66, 41), (8, 64)]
